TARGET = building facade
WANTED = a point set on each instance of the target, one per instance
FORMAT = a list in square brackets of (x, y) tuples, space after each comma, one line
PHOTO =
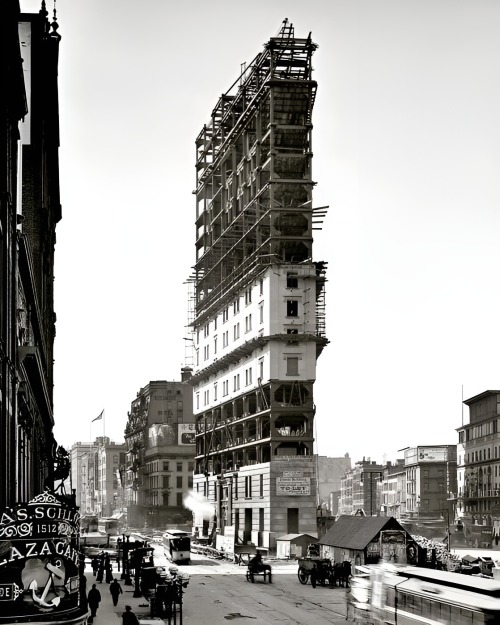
[(259, 322), (330, 472), (30, 210), (393, 490), (431, 480), (478, 497), (361, 488), (159, 439)]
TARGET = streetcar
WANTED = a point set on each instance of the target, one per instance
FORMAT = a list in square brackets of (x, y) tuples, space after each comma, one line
[(177, 546), (414, 595)]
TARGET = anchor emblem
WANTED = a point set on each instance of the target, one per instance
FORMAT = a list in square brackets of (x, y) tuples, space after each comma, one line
[(54, 572)]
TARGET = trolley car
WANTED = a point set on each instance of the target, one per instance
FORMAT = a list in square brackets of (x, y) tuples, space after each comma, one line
[(177, 546), (413, 595)]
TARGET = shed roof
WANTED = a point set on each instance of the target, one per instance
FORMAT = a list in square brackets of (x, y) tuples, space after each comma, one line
[(294, 536), (355, 532)]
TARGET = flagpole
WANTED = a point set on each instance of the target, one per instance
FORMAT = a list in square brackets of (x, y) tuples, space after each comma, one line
[(103, 426)]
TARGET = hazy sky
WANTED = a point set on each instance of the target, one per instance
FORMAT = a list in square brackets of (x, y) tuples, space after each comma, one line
[(406, 148)]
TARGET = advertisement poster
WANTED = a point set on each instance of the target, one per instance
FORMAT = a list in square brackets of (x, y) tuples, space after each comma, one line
[(186, 433)]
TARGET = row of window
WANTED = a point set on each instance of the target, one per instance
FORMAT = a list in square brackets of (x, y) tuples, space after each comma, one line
[(166, 465), (253, 486), (292, 282), (479, 455), (235, 307), (477, 431)]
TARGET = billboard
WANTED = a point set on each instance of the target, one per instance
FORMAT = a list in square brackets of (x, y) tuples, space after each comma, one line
[(186, 433), (432, 454)]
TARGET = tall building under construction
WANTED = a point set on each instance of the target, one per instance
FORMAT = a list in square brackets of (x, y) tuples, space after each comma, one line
[(259, 301)]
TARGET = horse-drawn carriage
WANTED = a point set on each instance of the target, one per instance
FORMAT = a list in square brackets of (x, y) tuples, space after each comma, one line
[(322, 572)]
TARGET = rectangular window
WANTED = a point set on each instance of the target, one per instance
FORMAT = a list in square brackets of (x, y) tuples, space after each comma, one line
[(225, 338), (206, 397), (215, 391), (261, 519), (215, 323), (179, 481), (165, 481), (292, 280), (197, 401), (179, 499), (261, 312), (261, 485), (248, 486), (236, 331), (179, 467), (261, 369), (225, 388), (261, 292), (248, 297), (292, 365), (215, 345), (206, 352), (236, 306), (236, 382), (292, 308), (225, 315), (206, 330), (248, 323), (248, 376)]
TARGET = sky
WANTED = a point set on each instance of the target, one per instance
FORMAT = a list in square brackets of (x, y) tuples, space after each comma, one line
[(406, 146)]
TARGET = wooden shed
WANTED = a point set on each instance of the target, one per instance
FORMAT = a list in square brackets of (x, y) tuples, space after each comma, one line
[(294, 545), (368, 540)]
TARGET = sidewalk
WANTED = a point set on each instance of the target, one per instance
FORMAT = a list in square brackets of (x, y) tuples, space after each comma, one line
[(107, 613)]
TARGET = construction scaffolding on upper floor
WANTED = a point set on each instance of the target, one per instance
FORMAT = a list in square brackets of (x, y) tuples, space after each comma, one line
[(254, 180)]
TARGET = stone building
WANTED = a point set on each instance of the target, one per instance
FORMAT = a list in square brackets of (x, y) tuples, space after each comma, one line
[(259, 320), (478, 496), (30, 211), (159, 439)]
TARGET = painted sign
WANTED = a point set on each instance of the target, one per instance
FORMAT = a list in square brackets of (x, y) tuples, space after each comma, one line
[(186, 433), (39, 558), (293, 485), (432, 454)]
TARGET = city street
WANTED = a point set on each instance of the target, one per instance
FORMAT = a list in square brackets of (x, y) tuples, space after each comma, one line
[(218, 591)]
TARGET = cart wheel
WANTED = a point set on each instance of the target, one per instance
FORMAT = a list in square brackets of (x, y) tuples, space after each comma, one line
[(250, 577), (303, 575)]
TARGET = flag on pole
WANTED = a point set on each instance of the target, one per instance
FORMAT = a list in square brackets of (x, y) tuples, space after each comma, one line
[(97, 418)]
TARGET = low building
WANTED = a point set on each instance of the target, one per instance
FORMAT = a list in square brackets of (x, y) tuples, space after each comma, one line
[(368, 540), (294, 545)]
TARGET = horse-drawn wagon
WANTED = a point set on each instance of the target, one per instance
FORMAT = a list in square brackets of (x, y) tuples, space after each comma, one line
[(320, 571)]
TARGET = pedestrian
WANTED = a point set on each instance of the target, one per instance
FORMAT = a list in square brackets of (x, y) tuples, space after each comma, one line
[(94, 599), (108, 568), (100, 570), (116, 590), (95, 565), (314, 575), (128, 617)]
